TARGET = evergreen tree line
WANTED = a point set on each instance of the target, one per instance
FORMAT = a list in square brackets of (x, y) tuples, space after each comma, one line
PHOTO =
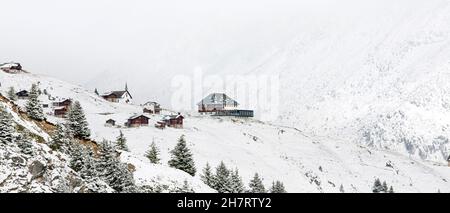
[(104, 166), (7, 136), (226, 180), (379, 187)]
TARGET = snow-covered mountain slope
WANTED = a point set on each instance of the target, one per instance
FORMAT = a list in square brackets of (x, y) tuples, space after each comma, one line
[(374, 72), (304, 162), (47, 170), (39, 169), (378, 81)]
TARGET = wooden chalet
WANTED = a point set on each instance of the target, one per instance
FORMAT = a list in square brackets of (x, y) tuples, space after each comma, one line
[(119, 96), (152, 107), (137, 120), (61, 112), (175, 121), (11, 67), (22, 94), (110, 122), (65, 103), (160, 125)]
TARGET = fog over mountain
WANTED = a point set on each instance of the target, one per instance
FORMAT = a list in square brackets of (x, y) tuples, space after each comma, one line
[(147, 42)]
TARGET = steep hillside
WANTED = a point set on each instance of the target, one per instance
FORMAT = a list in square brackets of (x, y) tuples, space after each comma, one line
[(41, 169), (377, 77), (372, 72), (304, 162)]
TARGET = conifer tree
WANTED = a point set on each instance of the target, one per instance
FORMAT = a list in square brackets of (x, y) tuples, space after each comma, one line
[(237, 186), (153, 154), (61, 139), (222, 179), (33, 106), (12, 94), (112, 171), (186, 188), (207, 177), (96, 91), (6, 127), (182, 157), (76, 157), (88, 171), (377, 186), (385, 187), (278, 187), (341, 189), (256, 185), (24, 143), (76, 121), (391, 190), (121, 142)]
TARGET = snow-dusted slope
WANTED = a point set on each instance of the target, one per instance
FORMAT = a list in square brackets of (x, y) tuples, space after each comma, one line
[(304, 162), (374, 72), (145, 174), (381, 82)]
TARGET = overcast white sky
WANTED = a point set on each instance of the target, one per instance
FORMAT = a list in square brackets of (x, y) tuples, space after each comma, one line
[(86, 36), (125, 40)]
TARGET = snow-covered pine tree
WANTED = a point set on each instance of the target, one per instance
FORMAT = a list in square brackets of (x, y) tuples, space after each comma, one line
[(377, 186), (24, 142), (61, 139), (208, 177), (222, 179), (76, 121), (237, 186), (341, 189), (88, 172), (187, 188), (76, 157), (153, 154), (12, 94), (121, 142), (124, 183), (182, 157), (277, 187), (112, 171), (6, 127), (391, 189), (256, 185), (33, 106), (385, 187)]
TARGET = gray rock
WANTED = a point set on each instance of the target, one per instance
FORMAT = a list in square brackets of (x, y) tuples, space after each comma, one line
[(37, 169)]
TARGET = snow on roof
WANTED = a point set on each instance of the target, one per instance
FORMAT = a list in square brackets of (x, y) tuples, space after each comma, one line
[(151, 103), (168, 117), (137, 116), (218, 98), (117, 93), (9, 65)]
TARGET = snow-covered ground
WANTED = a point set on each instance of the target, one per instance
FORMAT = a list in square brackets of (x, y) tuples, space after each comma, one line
[(304, 162)]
